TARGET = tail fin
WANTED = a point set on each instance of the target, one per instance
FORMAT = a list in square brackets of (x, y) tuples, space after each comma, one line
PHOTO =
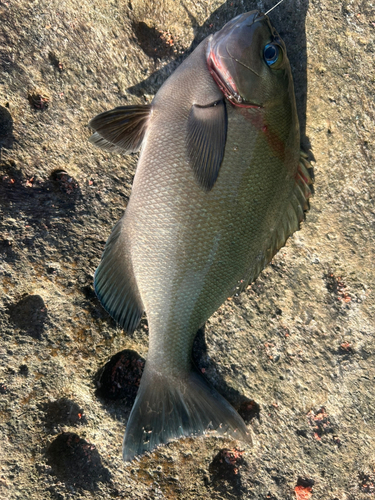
[(168, 408)]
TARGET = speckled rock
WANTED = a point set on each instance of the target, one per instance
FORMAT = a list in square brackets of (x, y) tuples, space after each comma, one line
[(294, 353)]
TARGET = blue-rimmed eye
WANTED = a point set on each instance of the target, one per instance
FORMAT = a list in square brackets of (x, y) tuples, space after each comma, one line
[(271, 53)]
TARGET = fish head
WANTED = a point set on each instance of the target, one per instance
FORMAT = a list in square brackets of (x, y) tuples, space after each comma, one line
[(249, 63)]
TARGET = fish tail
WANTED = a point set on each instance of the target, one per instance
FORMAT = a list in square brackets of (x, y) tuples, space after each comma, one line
[(169, 407)]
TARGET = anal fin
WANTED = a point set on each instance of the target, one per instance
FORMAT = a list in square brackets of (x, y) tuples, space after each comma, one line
[(115, 284)]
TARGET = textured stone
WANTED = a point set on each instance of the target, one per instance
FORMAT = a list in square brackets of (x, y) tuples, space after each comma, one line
[(295, 351)]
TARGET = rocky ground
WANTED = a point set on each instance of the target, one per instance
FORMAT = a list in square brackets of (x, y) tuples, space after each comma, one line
[(294, 353)]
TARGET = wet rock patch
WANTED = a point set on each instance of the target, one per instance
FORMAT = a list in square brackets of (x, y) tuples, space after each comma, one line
[(63, 412), (248, 410), (65, 183), (225, 471), (120, 376), (77, 462), (29, 314), (303, 488)]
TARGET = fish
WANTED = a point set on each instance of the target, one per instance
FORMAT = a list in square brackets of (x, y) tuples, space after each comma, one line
[(221, 183)]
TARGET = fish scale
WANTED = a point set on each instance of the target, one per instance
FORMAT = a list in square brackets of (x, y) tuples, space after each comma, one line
[(220, 185)]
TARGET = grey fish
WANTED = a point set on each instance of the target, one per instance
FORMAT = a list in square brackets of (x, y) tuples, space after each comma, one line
[(220, 185)]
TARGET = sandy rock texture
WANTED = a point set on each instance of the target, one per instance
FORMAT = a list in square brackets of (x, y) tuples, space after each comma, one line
[(294, 353)]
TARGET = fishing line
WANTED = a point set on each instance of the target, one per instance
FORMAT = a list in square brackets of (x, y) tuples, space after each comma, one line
[(274, 7)]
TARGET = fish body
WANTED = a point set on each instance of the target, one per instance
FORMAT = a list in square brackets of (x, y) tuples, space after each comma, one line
[(220, 185)]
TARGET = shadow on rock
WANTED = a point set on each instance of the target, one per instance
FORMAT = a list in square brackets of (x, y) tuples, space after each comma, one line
[(40, 200), (247, 408), (6, 129), (29, 314), (77, 462), (47, 208), (154, 43)]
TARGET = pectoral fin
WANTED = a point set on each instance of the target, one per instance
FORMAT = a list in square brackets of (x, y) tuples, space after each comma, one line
[(121, 129), (206, 137)]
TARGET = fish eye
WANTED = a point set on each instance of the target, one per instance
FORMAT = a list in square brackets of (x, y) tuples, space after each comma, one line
[(271, 53)]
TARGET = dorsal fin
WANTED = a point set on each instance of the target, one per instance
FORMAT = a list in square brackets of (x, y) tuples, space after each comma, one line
[(290, 222), (121, 129), (115, 283)]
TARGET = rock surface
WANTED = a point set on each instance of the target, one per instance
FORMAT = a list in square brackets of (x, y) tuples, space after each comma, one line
[(294, 353)]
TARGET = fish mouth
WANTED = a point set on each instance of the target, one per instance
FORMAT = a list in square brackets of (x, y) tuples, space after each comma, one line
[(225, 82)]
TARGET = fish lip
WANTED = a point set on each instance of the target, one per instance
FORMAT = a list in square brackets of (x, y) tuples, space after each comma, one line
[(259, 16), (226, 85)]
